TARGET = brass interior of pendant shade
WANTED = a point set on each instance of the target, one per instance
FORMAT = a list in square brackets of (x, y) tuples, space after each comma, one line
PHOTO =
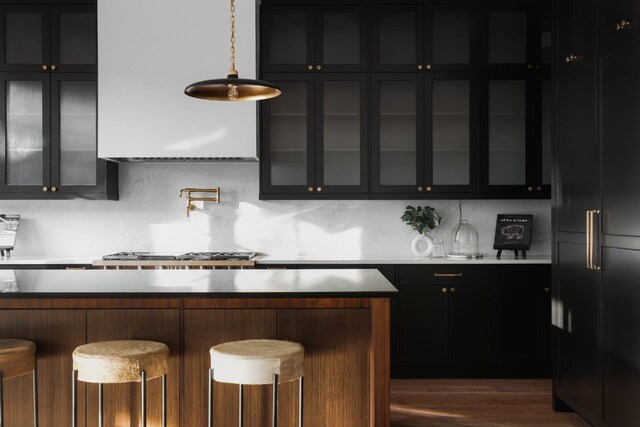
[(232, 88)]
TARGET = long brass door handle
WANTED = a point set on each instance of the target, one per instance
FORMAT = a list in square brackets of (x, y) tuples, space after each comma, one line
[(447, 274), (589, 239)]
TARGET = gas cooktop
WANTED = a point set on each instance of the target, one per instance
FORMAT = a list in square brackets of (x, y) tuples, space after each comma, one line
[(189, 256)]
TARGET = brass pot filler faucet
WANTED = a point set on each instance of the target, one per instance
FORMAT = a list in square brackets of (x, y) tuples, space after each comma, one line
[(190, 198)]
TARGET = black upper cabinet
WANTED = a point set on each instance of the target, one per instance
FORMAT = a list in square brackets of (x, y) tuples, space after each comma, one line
[(617, 19), (316, 147), (423, 39), (49, 39), (460, 100), (314, 39), (576, 31)]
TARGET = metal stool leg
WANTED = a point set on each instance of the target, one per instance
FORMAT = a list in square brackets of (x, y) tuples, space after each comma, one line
[(300, 404), (1, 400), (274, 420), (35, 396), (240, 395), (210, 419), (100, 405), (74, 399), (143, 397), (164, 400)]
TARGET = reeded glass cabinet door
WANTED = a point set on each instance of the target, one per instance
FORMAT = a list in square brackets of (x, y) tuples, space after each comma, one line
[(450, 38), (397, 131), (342, 38), (451, 132), (288, 136), (341, 133), (24, 38), (24, 141), (397, 38), (506, 34), (75, 167), (288, 39), (74, 38)]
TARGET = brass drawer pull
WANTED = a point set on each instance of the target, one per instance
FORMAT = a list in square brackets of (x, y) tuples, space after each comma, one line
[(447, 274), (590, 239)]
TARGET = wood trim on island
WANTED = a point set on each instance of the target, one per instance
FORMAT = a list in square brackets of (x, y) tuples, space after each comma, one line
[(347, 361)]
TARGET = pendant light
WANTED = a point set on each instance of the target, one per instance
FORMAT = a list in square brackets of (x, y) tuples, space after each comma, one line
[(232, 88)]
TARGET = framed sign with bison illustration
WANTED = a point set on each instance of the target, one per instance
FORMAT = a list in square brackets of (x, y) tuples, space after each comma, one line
[(513, 233)]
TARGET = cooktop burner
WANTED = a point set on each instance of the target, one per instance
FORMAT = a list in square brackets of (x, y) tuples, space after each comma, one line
[(189, 256)]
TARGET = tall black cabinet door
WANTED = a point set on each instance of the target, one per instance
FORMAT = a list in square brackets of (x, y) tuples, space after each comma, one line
[(342, 38), (74, 113), (288, 38), (287, 165), (451, 143), (577, 188), (576, 320), (24, 38), (397, 38), (24, 133), (620, 281), (74, 39), (397, 129), (424, 316), (620, 133), (341, 133)]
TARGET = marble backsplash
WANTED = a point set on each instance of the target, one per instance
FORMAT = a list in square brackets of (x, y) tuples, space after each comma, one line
[(151, 217)]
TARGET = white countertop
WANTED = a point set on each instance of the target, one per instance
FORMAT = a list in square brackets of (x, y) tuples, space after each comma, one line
[(308, 260)]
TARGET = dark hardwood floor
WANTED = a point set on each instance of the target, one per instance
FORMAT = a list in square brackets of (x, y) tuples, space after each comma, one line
[(476, 403)]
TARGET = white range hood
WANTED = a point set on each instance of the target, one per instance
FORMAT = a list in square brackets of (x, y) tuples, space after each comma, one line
[(149, 51)]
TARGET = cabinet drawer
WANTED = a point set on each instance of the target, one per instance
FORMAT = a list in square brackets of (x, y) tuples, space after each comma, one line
[(446, 274)]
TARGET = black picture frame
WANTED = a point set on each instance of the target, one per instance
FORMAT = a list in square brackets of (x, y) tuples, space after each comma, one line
[(513, 233)]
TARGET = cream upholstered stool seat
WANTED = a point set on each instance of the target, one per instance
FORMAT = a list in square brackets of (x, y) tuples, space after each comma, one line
[(17, 358), (115, 362), (257, 362)]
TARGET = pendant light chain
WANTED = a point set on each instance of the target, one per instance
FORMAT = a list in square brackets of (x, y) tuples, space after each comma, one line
[(232, 69)]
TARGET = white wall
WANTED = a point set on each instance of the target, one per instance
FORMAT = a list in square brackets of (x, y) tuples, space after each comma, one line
[(149, 51), (150, 216)]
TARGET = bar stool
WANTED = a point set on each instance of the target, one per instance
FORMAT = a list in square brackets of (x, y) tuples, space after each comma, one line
[(17, 358), (116, 362), (257, 362)]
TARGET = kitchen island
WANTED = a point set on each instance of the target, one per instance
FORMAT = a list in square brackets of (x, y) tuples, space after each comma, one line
[(340, 316)]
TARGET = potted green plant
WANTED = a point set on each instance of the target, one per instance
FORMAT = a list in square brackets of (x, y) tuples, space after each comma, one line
[(423, 220)]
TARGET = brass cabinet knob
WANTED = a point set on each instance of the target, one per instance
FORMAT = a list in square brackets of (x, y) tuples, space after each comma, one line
[(419, 67), (45, 67), (420, 189), (319, 67), (310, 189), (444, 290), (53, 67), (572, 58), (45, 189), (429, 188), (530, 188), (623, 25), (428, 66), (319, 189), (530, 66), (310, 67), (539, 188), (453, 289), (54, 189), (547, 290)]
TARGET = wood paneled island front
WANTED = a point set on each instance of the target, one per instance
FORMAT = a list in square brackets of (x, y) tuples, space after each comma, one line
[(341, 317)]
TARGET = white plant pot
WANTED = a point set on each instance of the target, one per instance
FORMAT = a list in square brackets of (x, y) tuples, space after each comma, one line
[(422, 245)]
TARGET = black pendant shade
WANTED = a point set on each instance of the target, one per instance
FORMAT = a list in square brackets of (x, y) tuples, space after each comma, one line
[(222, 89)]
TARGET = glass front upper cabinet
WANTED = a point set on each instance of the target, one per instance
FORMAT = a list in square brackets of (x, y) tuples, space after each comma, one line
[(24, 43), (314, 39), (415, 38), (74, 38), (450, 132), (24, 141)]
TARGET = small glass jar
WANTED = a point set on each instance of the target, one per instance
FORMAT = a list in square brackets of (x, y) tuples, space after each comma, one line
[(464, 240)]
